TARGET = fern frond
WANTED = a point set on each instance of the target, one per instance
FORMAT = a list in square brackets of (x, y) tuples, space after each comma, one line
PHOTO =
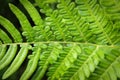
[(32, 64), (75, 24), (66, 40), (17, 61), (47, 58), (99, 22), (108, 69), (112, 8), (4, 37), (85, 63), (66, 25), (38, 29), (32, 12), (10, 28), (3, 49), (66, 59), (8, 57), (45, 6), (60, 58), (54, 22), (25, 24)]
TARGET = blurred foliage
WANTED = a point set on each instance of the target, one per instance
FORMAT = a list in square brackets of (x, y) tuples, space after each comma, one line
[(5, 11)]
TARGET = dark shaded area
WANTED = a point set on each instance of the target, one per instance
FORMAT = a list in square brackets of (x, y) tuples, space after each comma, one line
[(5, 11)]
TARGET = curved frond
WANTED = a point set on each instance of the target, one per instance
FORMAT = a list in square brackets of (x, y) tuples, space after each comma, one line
[(3, 49), (26, 26), (65, 40), (47, 58), (4, 37), (85, 63), (39, 29), (32, 12), (10, 28), (66, 25), (17, 61), (8, 57), (112, 8), (66, 59), (100, 24), (108, 69), (32, 64)]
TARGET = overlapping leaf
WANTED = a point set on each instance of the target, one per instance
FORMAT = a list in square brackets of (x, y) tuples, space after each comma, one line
[(74, 40)]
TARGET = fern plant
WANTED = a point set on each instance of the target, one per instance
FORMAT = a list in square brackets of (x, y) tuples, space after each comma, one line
[(69, 40)]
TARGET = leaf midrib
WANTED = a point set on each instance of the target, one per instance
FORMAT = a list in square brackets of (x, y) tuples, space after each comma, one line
[(64, 42), (86, 61)]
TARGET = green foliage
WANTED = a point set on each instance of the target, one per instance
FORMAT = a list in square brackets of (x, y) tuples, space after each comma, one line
[(64, 40)]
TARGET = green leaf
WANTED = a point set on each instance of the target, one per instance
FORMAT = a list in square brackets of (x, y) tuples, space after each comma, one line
[(23, 21), (17, 61), (61, 40)]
